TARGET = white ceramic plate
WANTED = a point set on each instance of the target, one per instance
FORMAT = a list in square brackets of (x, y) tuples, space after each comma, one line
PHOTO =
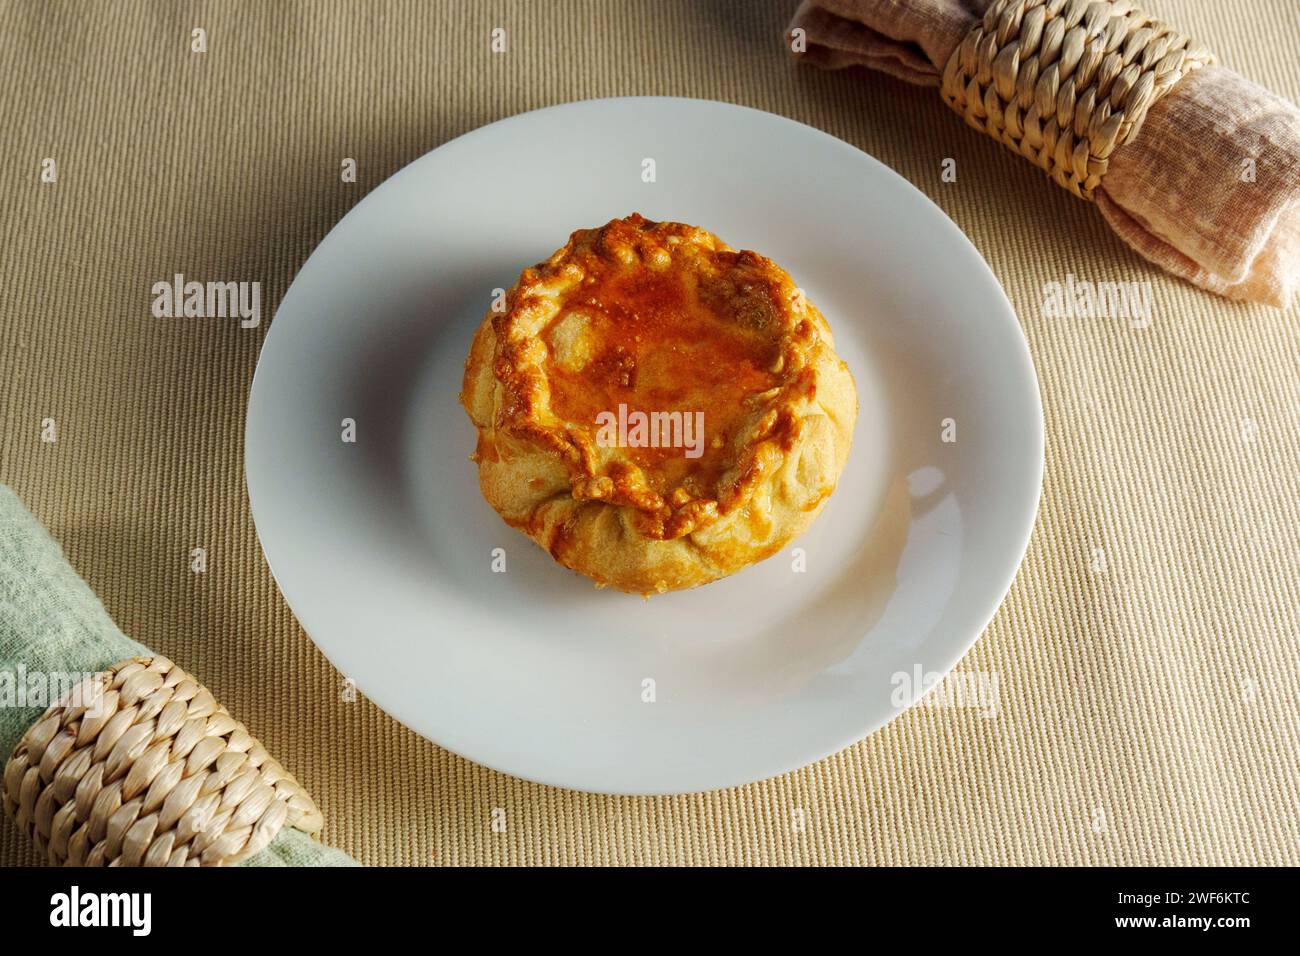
[(383, 547)]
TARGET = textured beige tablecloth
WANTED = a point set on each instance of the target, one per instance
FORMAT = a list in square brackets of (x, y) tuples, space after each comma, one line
[(1146, 656)]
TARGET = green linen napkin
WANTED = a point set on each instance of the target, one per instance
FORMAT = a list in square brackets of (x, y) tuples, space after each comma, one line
[(51, 622)]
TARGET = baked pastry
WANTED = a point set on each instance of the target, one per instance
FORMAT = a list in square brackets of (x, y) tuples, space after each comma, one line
[(655, 409)]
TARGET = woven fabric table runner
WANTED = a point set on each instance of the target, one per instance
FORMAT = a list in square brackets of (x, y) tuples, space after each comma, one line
[(1145, 661)]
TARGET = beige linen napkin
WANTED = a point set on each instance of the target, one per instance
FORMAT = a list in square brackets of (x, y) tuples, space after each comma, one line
[(1209, 189)]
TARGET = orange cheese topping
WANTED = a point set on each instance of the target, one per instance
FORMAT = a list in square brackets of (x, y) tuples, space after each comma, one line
[(651, 346)]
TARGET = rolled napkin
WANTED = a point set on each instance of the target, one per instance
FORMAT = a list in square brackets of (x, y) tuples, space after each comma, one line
[(53, 632), (1194, 166)]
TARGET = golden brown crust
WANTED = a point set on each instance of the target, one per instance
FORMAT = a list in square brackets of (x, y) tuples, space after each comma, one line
[(737, 366)]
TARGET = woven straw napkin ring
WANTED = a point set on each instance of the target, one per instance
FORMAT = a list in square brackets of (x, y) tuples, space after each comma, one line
[(1065, 83), (140, 766)]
